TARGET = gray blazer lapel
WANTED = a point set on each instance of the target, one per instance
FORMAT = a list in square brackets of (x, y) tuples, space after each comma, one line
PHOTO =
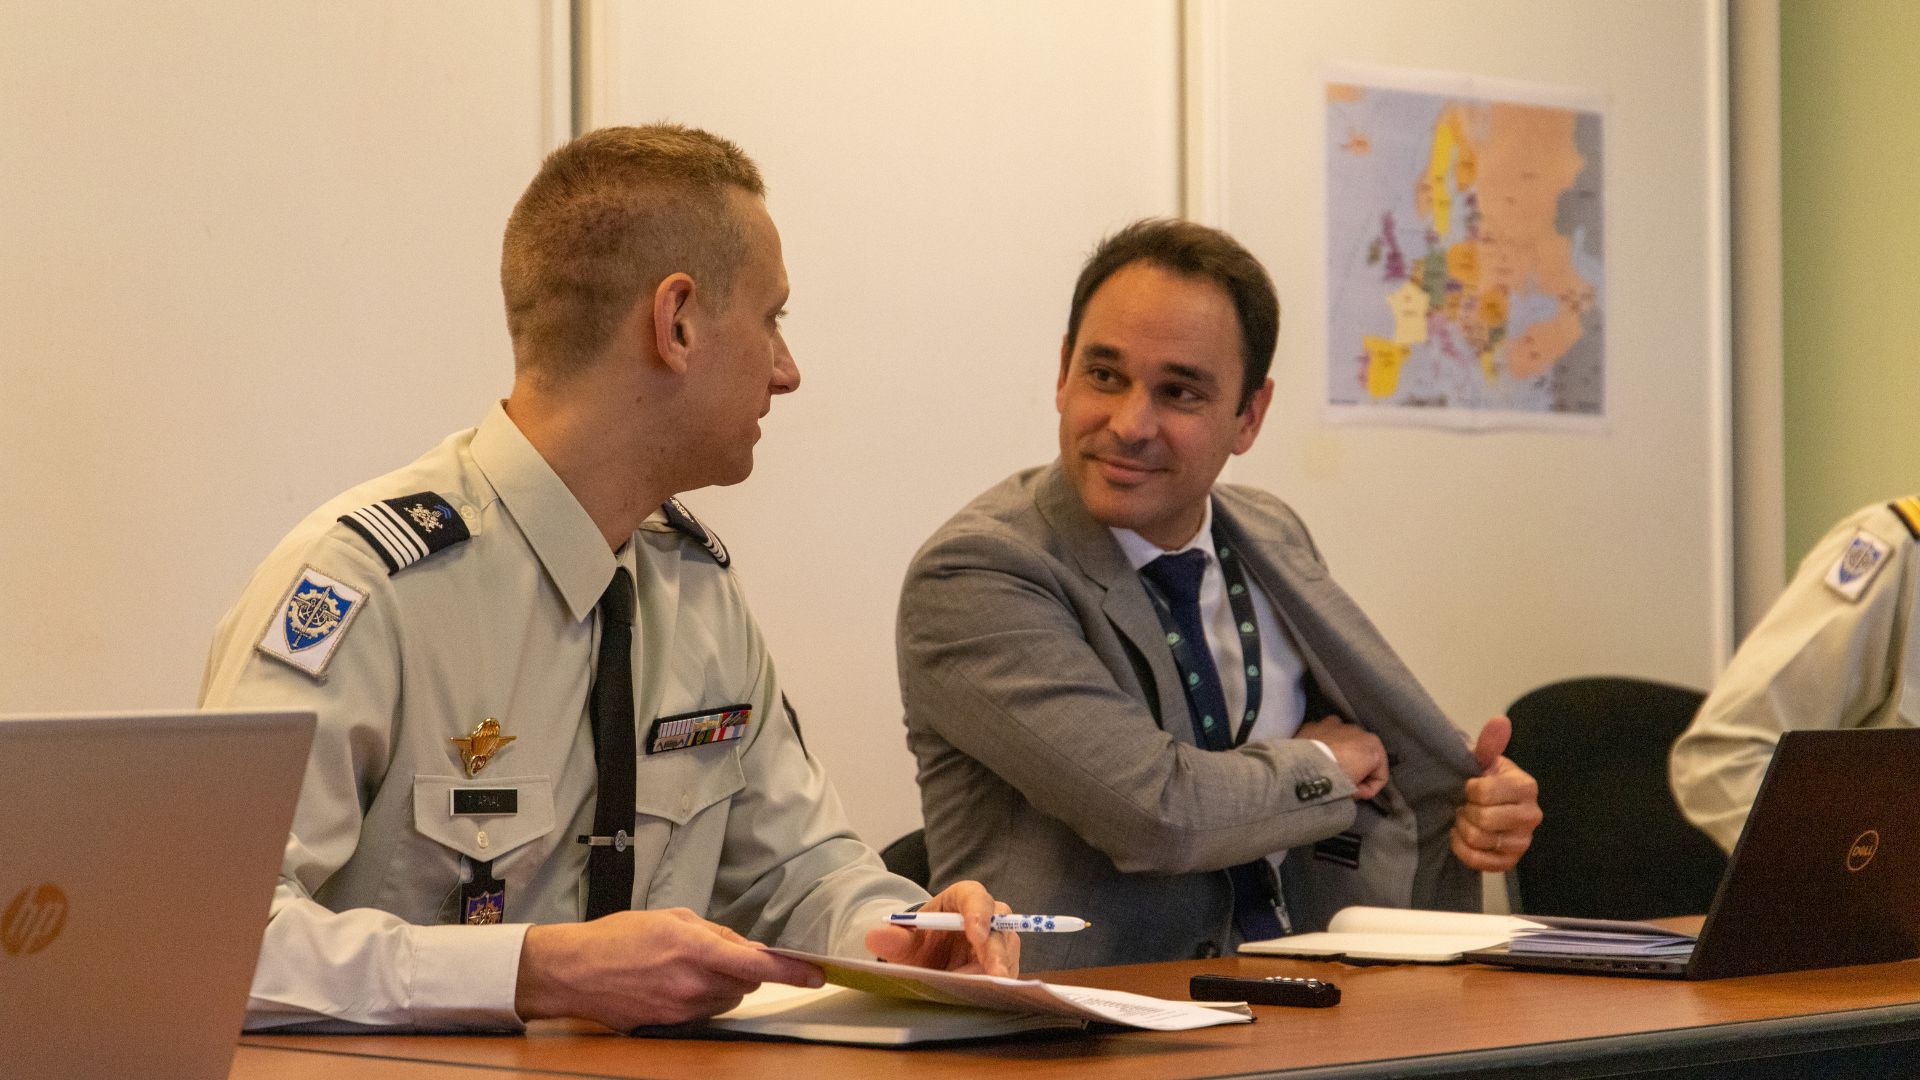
[(1354, 666), (1095, 554)]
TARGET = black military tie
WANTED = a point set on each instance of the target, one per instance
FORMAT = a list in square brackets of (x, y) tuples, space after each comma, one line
[(610, 856)]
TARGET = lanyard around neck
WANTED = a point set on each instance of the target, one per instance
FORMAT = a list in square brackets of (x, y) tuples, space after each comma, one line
[(1241, 603)]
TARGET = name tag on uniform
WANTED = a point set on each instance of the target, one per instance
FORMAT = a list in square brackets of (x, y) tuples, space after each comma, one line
[(484, 802), (724, 724)]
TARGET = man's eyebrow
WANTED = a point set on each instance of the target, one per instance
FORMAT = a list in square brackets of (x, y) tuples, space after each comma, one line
[(1098, 351), (1192, 374)]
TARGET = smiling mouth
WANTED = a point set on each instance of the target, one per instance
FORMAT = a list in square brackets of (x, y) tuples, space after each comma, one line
[(1122, 470)]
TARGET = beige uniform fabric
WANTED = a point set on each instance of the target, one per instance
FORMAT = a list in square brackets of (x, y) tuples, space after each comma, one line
[(1817, 661), (748, 833)]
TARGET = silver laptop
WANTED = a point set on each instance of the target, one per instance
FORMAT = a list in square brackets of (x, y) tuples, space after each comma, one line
[(138, 856), (1826, 873)]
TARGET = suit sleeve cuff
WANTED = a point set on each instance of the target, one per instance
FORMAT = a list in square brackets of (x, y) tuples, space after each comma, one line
[(465, 976)]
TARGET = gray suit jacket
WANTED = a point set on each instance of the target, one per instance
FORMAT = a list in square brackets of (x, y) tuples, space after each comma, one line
[(1056, 756)]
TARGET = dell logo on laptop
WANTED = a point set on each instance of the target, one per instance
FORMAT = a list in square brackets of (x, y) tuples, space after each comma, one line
[(1862, 850), (33, 920)]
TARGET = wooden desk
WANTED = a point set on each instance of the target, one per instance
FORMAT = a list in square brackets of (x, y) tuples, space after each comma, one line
[(1400, 1021)]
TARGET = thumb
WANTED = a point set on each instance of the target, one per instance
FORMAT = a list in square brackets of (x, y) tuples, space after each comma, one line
[(1492, 742)]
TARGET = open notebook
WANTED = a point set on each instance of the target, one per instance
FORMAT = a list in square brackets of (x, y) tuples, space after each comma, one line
[(1398, 935)]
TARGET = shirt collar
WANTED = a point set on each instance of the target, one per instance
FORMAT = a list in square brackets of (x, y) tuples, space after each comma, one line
[(558, 529), (1140, 551)]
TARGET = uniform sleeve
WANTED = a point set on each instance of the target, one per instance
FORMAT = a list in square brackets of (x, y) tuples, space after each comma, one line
[(362, 966), (792, 872), (1816, 661), (994, 661)]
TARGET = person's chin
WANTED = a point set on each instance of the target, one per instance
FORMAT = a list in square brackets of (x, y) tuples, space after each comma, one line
[(1116, 508)]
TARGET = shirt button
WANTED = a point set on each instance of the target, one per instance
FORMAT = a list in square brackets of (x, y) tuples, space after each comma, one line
[(686, 801), (481, 839), (468, 513), (1206, 950)]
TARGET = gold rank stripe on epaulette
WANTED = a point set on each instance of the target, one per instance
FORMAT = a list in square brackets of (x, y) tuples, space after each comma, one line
[(1908, 511), (405, 530)]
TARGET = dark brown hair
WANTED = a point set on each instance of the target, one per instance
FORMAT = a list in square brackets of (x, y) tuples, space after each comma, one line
[(1192, 250)]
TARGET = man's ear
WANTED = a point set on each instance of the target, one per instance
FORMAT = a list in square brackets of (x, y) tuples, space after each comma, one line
[(673, 322), (1251, 417)]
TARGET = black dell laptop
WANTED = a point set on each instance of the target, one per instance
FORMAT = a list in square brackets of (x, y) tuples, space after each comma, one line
[(1826, 873)]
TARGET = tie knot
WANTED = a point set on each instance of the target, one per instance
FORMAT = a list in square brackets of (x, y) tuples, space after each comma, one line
[(1178, 576), (616, 604)]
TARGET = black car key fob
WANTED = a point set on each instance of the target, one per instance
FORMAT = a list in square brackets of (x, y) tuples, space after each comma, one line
[(1306, 993)]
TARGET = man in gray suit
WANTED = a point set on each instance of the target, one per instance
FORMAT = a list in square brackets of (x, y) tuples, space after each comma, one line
[(1136, 695)]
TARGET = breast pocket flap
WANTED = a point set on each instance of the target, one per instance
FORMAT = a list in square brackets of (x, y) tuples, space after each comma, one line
[(678, 784), (472, 816)]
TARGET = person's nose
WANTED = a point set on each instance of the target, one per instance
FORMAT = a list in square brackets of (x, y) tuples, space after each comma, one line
[(1133, 418), (786, 372)]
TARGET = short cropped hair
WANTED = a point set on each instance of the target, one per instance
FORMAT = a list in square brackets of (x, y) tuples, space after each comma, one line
[(1192, 250), (609, 216)]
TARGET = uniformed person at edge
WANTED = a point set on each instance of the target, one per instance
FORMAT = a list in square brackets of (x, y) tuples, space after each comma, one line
[(477, 629), (1835, 651)]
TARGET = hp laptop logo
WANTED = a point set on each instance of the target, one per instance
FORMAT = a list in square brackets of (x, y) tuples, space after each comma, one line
[(34, 918)]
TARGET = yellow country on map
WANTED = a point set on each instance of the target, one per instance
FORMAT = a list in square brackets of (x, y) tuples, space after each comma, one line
[(1384, 360)]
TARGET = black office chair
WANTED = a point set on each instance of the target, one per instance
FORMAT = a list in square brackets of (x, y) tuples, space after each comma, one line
[(1613, 844), (907, 857)]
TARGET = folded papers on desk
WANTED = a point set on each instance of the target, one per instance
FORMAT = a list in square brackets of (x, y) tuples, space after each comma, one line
[(1372, 934), (868, 1003)]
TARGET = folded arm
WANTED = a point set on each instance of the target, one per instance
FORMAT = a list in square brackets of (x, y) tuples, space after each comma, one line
[(998, 662)]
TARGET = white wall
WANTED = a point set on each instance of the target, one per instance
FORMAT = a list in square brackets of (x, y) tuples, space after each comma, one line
[(1496, 562), (938, 172), (250, 259)]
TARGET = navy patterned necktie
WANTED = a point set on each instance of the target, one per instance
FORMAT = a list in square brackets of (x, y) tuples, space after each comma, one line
[(1178, 578), (1256, 889)]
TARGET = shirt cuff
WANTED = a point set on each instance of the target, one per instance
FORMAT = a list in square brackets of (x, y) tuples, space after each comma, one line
[(466, 976), (1325, 750)]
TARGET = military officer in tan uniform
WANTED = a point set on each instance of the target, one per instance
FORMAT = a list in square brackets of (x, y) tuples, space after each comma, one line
[(462, 624), (1835, 651)]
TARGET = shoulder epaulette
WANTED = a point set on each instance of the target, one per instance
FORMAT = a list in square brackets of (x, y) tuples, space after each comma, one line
[(407, 529), (1908, 511), (683, 520)]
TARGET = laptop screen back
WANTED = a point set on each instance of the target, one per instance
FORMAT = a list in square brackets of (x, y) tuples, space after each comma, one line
[(138, 858), (1827, 871)]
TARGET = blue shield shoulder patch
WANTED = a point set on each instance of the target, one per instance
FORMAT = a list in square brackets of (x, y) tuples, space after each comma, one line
[(1864, 557), (311, 620)]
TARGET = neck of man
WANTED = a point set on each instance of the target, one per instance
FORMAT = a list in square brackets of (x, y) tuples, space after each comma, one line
[(617, 468)]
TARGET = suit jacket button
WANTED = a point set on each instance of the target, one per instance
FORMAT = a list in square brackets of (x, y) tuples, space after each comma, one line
[(1325, 786), (1303, 791), (1206, 950)]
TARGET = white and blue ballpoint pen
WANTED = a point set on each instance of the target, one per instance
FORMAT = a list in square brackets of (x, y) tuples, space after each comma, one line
[(1020, 924)]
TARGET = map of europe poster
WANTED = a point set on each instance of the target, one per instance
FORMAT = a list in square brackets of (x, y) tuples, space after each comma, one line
[(1465, 249)]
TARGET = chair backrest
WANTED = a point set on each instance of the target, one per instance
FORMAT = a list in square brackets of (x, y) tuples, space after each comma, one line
[(1613, 844), (907, 857)]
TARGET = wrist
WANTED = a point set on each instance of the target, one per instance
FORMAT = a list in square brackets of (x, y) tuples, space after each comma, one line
[(538, 993)]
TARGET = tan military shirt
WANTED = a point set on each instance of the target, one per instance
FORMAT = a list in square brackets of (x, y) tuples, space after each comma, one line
[(365, 919), (1834, 651)]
